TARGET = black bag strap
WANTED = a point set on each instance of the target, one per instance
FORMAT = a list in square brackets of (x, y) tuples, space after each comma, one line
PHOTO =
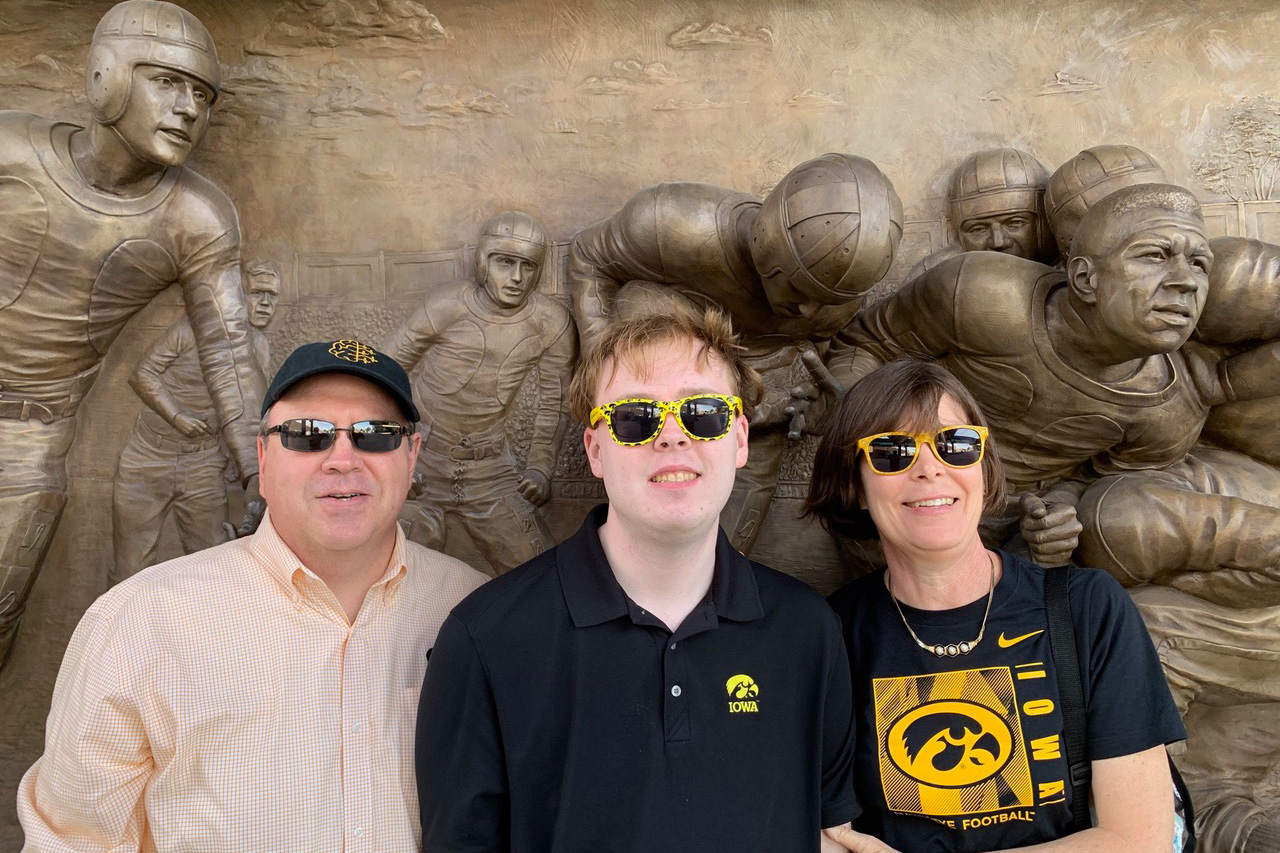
[(1062, 641), (1066, 660)]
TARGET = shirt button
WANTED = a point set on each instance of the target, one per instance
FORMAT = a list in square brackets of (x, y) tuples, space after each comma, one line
[(358, 832), (673, 647), (355, 727), (675, 690)]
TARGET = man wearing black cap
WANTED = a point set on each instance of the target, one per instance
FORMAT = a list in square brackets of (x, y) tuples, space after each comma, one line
[(260, 695)]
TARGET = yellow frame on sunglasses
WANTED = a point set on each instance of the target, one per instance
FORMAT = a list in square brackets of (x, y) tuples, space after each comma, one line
[(667, 407), (921, 439)]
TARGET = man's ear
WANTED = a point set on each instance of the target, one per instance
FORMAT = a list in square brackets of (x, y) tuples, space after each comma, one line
[(740, 430), (415, 447), (592, 446), (1082, 279)]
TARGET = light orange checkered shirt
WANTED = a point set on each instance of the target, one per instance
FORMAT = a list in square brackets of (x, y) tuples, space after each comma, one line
[(222, 702)]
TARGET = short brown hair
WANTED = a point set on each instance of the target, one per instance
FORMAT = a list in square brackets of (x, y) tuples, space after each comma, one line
[(903, 394), (626, 342)]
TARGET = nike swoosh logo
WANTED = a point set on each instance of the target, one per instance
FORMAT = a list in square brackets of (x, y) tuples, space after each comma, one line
[(1006, 642)]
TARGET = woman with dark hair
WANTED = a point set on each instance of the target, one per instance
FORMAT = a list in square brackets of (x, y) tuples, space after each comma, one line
[(959, 718)]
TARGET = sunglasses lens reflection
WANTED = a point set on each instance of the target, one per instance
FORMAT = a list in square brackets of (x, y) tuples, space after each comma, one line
[(890, 454), (312, 436), (634, 422), (959, 447), (638, 421), (706, 417)]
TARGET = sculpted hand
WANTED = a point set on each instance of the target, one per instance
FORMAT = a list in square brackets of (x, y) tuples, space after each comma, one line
[(1051, 529), (535, 487), (843, 837), (417, 485), (191, 426), (254, 506), (804, 398), (770, 410)]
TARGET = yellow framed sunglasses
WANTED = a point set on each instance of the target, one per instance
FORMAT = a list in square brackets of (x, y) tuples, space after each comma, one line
[(959, 446), (636, 421)]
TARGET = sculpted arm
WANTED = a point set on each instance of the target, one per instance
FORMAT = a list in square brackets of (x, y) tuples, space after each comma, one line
[(553, 375), (607, 255), (85, 793), (1251, 375), (410, 342), (219, 322), (149, 384), (922, 319)]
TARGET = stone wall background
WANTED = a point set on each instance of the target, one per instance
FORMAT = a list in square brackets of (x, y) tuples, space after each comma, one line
[(365, 141)]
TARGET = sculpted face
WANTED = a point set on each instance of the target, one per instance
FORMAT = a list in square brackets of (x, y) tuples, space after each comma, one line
[(166, 116), (1147, 289), (509, 279), (789, 300), (263, 293), (1016, 233)]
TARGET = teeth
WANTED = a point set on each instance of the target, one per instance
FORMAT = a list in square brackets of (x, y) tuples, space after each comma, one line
[(675, 477), (933, 502), (345, 497)]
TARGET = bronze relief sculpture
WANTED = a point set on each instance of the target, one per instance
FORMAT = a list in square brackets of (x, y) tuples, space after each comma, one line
[(1120, 470), (996, 204), (99, 220), (469, 347), (790, 269), (173, 462), (1097, 397)]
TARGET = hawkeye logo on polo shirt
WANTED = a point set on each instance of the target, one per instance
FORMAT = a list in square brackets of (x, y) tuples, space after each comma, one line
[(743, 690)]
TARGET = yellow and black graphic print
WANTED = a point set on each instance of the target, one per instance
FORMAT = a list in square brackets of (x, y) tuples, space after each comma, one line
[(951, 744), (352, 350), (742, 690)]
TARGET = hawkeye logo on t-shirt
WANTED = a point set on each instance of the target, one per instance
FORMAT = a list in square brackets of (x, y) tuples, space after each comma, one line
[(951, 744), (742, 690)]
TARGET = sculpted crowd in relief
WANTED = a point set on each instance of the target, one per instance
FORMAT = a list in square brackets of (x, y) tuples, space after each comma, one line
[(1128, 363)]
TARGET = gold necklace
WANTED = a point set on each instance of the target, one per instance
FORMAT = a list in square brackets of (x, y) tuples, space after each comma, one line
[(949, 650)]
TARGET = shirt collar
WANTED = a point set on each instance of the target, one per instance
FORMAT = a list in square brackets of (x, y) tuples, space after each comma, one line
[(284, 565), (594, 596)]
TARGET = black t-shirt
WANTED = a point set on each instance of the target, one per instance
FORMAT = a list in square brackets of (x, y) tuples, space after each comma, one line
[(965, 753), (556, 715)]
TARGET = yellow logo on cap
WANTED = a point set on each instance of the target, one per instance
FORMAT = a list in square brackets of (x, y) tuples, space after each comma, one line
[(350, 350), (742, 690)]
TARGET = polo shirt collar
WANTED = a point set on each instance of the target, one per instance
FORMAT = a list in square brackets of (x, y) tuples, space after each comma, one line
[(594, 596)]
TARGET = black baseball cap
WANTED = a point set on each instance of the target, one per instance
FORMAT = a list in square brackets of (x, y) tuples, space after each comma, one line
[(344, 356)]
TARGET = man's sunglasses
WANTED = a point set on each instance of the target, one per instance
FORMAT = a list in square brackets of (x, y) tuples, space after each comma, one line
[(895, 452), (703, 417), (308, 435)]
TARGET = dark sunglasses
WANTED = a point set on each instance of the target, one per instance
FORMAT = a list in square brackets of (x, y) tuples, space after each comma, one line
[(895, 452), (308, 435), (703, 417)]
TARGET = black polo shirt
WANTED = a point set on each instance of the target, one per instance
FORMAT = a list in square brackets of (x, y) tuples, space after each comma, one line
[(557, 715)]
